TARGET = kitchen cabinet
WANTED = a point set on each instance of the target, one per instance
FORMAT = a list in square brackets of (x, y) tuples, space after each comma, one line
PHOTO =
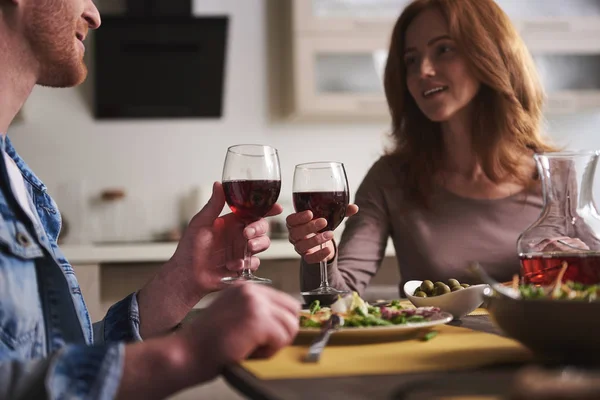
[(338, 49), (354, 17), (557, 26), (572, 82), (342, 78)]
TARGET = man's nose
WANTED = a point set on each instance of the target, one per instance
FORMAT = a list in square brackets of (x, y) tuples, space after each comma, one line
[(92, 15)]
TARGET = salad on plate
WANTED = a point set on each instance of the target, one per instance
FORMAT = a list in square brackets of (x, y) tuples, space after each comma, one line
[(357, 313)]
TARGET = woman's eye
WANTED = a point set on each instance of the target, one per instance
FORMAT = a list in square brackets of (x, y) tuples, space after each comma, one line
[(410, 60), (444, 49)]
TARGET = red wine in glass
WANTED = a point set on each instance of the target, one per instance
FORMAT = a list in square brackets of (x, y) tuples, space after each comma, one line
[(329, 205), (322, 187), (251, 200), (251, 182)]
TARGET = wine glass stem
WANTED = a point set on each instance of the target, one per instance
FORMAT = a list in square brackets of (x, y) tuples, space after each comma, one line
[(247, 272), (324, 279)]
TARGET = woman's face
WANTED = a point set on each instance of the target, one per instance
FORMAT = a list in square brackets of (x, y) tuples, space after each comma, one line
[(437, 74)]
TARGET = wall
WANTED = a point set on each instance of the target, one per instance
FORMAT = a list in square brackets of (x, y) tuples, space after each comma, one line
[(162, 160)]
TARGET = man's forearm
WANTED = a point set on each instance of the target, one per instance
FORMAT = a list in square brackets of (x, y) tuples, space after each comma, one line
[(165, 300), (160, 367)]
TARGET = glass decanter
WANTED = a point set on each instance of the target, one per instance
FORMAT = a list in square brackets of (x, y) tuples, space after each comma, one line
[(567, 232)]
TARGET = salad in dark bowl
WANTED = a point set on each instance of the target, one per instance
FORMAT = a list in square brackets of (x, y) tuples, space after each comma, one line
[(559, 323)]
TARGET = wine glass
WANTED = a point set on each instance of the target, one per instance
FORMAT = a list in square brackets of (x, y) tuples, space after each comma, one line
[(251, 182), (322, 187)]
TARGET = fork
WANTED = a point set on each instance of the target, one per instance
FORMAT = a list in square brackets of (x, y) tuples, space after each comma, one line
[(476, 269), (317, 346)]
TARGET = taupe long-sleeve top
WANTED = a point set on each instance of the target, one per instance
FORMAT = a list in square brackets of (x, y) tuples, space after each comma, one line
[(436, 243)]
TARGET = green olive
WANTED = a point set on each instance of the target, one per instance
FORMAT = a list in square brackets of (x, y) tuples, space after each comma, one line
[(439, 284), (440, 290), (456, 288), (464, 285), (420, 293), (453, 282), (427, 286)]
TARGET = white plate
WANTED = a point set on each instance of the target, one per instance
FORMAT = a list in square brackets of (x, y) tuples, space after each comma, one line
[(410, 328)]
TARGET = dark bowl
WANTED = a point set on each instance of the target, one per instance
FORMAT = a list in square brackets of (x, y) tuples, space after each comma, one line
[(555, 330)]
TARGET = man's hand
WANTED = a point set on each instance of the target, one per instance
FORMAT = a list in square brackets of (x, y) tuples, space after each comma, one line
[(244, 320), (211, 248)]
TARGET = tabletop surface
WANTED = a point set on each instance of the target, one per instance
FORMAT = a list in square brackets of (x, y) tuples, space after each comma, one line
[(494, 381)]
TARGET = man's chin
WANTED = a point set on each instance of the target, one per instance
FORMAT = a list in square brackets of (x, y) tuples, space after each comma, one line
[(64, 77)]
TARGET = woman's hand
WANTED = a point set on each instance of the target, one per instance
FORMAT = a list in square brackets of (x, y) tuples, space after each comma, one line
[(305, 236)]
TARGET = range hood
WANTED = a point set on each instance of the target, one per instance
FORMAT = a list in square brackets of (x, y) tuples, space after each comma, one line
[(159, 61), (146, 8)]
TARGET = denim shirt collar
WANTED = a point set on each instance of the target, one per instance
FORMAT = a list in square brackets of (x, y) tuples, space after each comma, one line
[(37, 190), (28, 175)]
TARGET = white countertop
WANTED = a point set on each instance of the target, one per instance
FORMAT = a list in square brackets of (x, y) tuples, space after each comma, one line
[(161, 252)]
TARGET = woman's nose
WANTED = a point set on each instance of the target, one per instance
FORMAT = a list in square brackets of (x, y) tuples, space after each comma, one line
[(427, 68)]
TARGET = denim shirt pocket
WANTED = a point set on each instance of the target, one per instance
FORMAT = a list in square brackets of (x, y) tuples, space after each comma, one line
[(21, 312), (18, 241)]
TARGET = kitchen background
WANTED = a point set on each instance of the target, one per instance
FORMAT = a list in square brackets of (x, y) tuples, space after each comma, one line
[(160, 162), (300, 75)]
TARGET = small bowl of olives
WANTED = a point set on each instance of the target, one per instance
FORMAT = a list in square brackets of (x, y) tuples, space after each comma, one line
[(459, 299)]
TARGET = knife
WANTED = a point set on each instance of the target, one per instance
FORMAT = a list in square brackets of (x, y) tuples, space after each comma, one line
[(317, 346)]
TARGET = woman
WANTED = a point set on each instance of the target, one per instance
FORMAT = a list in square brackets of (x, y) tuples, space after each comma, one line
[(460, 184)]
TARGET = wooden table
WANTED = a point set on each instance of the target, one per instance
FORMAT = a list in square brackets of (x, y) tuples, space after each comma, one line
[(495, 381)]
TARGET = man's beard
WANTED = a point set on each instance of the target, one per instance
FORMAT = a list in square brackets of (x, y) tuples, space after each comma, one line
[(51, 34)]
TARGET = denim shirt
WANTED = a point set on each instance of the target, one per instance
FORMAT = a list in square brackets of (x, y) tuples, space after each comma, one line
[(48, 345)]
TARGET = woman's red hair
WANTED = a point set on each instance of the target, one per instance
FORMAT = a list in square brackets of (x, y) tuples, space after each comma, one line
[(507, 111)]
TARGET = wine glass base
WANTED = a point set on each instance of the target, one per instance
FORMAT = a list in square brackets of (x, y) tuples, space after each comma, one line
[(325, 295), (246, 279), (325, 291)]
